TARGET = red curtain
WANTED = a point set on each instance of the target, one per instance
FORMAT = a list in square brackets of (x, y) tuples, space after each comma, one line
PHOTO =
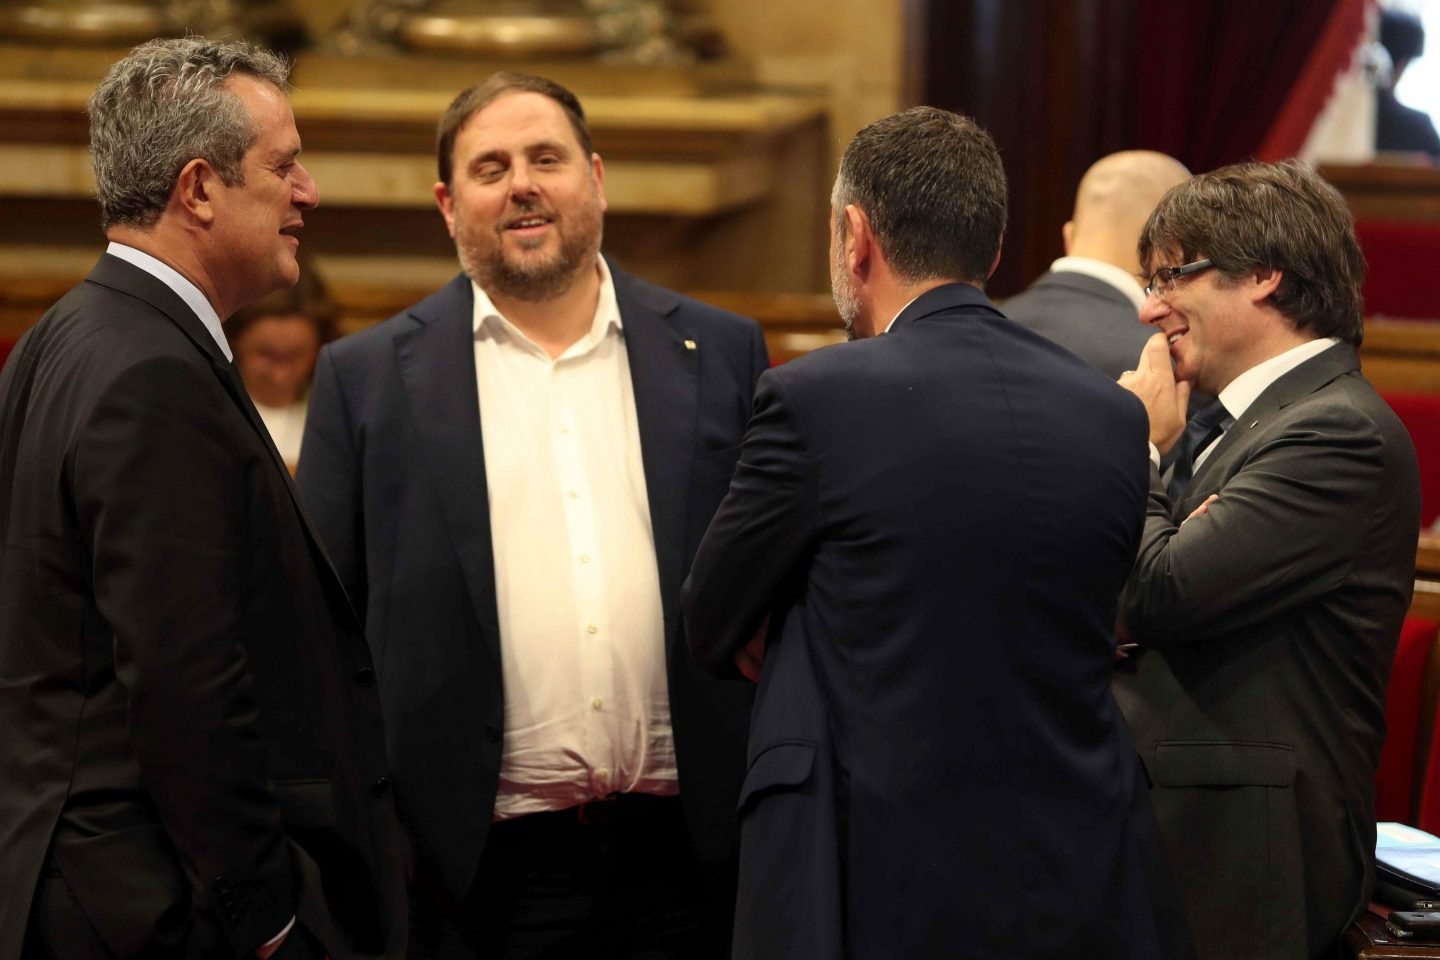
[(1216, 77)]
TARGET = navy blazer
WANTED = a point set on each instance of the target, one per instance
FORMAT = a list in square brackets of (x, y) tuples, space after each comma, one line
[(939, 521), (393, 470)]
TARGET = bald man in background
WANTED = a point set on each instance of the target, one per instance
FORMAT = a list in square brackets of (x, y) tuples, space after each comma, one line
[(1089, 301)]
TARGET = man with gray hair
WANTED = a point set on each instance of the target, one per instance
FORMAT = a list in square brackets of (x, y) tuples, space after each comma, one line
[(937, 522), (191, 762)]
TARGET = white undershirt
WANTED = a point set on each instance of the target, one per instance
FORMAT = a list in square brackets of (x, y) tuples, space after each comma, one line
[(582, 638)]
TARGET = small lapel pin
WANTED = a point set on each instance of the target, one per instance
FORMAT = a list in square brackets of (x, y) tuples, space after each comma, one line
[(1254, 424), (689, 344)]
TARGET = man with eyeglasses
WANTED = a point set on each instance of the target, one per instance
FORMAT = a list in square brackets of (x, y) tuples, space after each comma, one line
[(1270, 588)]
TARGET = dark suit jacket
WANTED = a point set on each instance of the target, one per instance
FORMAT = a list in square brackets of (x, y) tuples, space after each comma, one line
[(187, 715), (1086, 316), (1091, 319), (941, 519), (1259, 707), (394, 471)]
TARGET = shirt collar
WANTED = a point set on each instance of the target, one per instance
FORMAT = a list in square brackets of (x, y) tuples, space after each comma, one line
[(1246, 388), (183, 288), (900, 311), (489, 322), (1106, 272)]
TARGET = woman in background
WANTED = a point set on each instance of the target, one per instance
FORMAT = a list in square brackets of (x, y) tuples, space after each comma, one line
[(275, 341)]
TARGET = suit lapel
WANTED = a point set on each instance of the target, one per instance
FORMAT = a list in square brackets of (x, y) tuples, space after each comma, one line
[(126, 278), (664, 371), (436, 363), (1237, 442)]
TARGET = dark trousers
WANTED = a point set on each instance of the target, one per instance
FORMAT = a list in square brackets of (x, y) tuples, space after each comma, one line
[(614, 879), (60, 929)]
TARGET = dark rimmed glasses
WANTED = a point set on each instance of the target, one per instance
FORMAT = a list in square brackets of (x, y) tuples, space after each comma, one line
[(1162, 281)]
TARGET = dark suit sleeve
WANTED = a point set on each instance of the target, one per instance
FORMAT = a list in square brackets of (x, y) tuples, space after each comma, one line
[(762, 528), (162, 501), (329, 478), (759, 354), (1282, 532)]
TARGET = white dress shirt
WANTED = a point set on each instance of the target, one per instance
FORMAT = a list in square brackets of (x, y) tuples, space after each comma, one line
[(1246, 388), (582, 638), (183, 288)]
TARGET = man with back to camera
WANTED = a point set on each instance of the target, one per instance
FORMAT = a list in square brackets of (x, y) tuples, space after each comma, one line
[(938, 522), (193, 763), (1267, 620), (513, 476), (1089, 301)]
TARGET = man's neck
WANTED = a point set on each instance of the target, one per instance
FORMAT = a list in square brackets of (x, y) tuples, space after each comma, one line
[(558, 322), (895, 298), (179, 256)]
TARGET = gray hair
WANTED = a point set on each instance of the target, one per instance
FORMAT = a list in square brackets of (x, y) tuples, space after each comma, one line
[(162, 106), (932, 184)]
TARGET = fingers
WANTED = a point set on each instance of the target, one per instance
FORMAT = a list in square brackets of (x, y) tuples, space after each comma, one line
[(1155, 358), (1201, 510)]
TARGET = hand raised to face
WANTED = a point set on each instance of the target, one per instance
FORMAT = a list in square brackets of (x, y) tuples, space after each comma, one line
[(1166, 399)]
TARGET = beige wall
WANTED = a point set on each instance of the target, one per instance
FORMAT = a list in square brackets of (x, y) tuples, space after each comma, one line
[(851, 49)]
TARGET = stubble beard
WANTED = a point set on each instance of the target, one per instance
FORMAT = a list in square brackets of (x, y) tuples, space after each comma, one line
[(523, 278), (847, 304)]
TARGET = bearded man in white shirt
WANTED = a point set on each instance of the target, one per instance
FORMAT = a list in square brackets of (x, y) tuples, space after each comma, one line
[(1276, 565), (513, 476)]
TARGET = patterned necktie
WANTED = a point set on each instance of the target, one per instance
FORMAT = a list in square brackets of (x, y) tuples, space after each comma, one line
[(1202, 430)]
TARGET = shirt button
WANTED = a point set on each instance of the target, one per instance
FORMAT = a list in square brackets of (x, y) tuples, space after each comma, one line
[(380, 787), (574, 494), (584, 558), (602, 774), (597, 703), (592, 629), (564, 428)]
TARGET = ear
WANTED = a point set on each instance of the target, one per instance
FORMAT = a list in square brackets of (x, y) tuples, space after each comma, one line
[(1266, 280), (597, 169), (998, 248), (860, 248), (446, 202), (195, 190), (1067, 237)]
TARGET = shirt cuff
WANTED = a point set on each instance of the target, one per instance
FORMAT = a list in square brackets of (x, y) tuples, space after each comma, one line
[(279, 936), (1155, 455)]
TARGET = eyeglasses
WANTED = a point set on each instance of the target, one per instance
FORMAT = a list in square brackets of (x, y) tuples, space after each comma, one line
[(1162, 281)]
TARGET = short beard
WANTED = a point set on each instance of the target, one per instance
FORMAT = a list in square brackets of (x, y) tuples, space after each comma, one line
[(536, 282), (847, 304)]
